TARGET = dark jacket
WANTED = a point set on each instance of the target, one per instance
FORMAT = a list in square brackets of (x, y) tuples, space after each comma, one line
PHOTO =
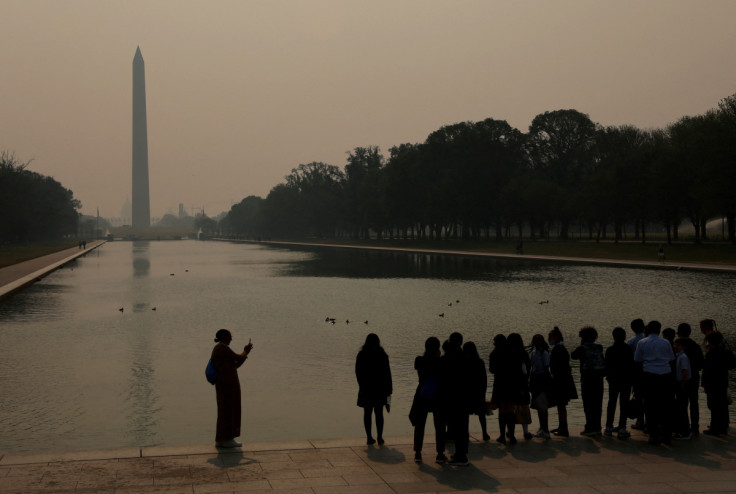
[(694, 354), (563, 385), (374, 377), (716, 364), (620, 363), (507, 376), (455, 379)]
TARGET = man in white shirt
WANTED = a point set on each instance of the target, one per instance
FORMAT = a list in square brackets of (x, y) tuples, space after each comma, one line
[(655, 354)]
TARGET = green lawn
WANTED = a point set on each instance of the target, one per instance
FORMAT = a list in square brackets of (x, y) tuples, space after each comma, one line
[(13, 254), (707, 253)]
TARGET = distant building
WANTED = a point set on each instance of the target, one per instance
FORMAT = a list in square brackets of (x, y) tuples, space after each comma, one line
[(141, 208), (127, 210)]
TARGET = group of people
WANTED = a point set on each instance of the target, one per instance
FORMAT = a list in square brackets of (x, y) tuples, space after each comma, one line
[(662, 372), (652, 379)]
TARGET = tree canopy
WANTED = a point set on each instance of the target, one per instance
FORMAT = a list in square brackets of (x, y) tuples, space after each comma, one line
[(34, 207), (486, 179)]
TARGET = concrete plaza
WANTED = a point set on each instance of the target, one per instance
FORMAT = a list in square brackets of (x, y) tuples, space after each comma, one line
[(574, 465)]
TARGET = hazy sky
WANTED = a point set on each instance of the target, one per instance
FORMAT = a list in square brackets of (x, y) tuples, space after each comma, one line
[(240, 92)]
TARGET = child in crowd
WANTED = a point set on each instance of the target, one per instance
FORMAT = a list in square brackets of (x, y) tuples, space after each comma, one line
[(592, 370), (619, 362), (683, 375)]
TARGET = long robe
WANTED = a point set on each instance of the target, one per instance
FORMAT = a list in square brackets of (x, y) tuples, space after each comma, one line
[(227, 388)]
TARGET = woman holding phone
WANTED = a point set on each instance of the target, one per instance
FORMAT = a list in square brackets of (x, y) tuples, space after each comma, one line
[(227, 387)]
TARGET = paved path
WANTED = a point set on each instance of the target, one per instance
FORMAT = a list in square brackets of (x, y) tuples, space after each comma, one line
[(577, 260), (20, 275), (575, 465)]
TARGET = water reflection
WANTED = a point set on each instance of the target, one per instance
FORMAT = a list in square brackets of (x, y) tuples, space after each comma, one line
[(134, 378), (349, 263), (143, 397), (141, 258)]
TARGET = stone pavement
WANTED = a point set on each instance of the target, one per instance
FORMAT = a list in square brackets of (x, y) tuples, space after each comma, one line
[(575, 465), (20, 275)]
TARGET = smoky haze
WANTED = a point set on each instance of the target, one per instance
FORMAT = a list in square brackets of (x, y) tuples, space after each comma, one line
[(240, 92)]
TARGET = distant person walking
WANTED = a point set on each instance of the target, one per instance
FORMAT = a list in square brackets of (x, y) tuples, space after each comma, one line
[(375, 387), (227, 388)]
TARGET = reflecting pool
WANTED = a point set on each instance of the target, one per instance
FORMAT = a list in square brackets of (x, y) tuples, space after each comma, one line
[(79, 373)]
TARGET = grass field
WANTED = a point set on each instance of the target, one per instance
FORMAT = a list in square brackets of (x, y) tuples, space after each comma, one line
[(13, 254), (706, 253)]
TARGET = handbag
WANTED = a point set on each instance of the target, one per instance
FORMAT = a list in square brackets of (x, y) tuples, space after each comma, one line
[(210, 372)]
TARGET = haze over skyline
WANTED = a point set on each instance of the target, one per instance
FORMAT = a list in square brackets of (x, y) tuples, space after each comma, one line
[(241, 92)]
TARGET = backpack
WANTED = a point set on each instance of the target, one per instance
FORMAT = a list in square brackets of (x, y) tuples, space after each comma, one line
[(594, 359), (211, 373)]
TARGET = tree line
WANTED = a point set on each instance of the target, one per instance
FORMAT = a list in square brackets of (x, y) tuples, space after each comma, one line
[(488, 180), (34, 207)]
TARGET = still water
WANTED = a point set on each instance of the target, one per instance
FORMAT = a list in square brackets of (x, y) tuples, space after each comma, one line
[(77, 373)]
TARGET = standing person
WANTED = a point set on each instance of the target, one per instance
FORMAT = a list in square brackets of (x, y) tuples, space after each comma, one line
[(455, 385), (619, 360), (478, 386), (718, 360), (655, 354), (592, 370), (695, 355), (504, 388), (683, 375), (520, 361), (375, 387), (426, 400), (708, 326), (227, 388), (637, 326), (540, 383), (563, 385)]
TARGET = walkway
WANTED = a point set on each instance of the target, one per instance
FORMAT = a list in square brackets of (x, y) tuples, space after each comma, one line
[(18, 276), (575, 465), (730, 268)]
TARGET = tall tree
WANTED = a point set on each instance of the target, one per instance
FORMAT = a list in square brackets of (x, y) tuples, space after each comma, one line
[(363, 189), (560, 145)]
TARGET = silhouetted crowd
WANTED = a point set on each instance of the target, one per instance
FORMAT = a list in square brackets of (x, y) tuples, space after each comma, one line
[(653, 379)]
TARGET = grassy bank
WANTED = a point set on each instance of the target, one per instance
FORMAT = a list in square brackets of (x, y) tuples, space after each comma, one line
[(13, 254), (707, 253)]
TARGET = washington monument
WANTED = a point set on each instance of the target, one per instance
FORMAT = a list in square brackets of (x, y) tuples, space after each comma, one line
[(141, 201)]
